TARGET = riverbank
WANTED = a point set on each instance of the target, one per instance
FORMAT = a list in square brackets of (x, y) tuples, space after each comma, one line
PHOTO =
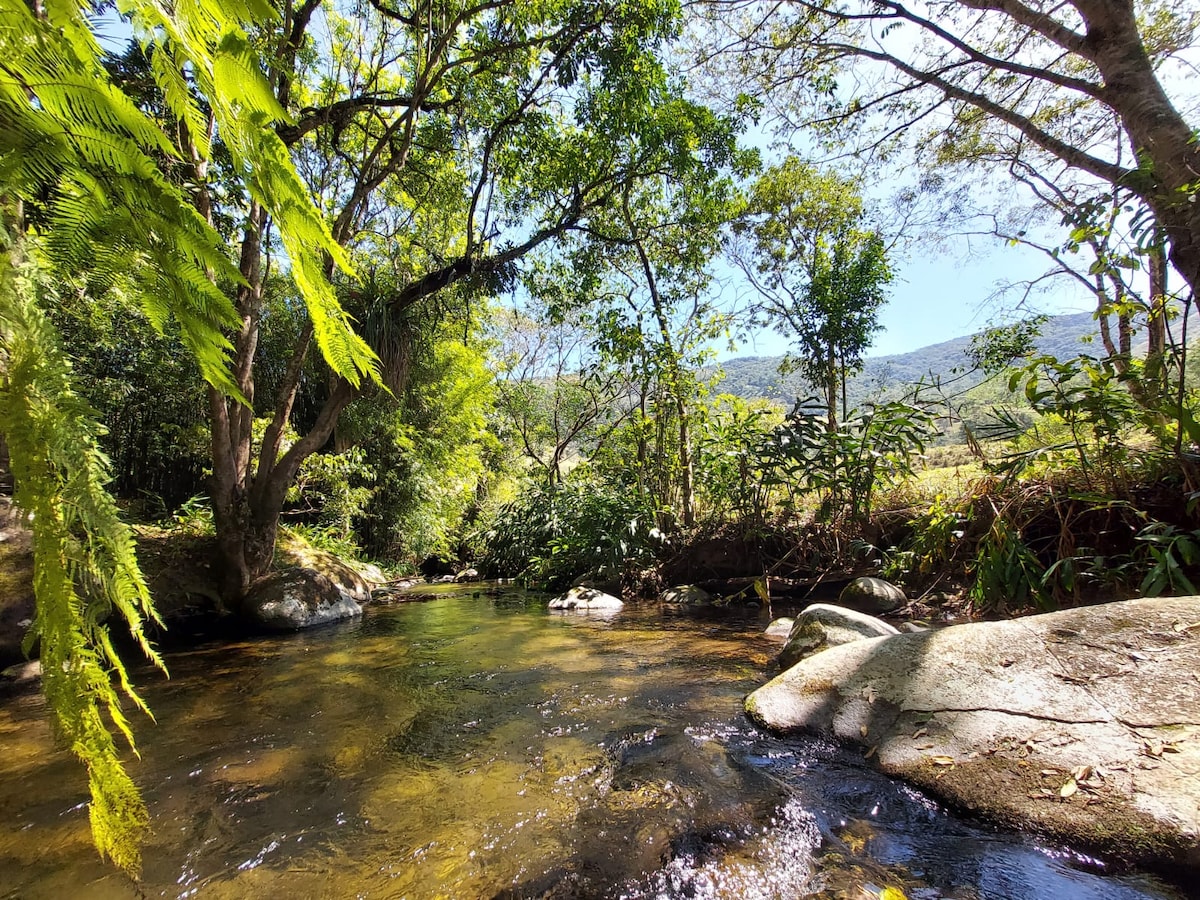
[(1082, 724), (480, 746)]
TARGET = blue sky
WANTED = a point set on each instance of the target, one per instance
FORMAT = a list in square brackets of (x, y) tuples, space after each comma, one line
[(948, 292)]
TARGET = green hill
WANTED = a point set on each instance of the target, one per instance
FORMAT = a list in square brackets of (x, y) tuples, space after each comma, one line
[(758, 376)]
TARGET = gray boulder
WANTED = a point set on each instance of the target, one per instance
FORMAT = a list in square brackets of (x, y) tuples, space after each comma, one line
[(823, 625), (585, 598), (872, 595), (298, 598), (467, 575), (1083, 723), (686, 595)]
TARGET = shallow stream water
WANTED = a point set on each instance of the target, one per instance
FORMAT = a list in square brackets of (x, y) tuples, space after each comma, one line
[(479, 746)]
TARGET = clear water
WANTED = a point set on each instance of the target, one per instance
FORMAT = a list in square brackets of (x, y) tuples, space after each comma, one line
[(482, 747)]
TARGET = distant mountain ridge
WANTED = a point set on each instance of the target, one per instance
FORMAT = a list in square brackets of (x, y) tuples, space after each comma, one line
[(754, 377)]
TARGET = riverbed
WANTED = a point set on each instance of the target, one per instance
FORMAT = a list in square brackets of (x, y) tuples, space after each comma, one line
[(474, 745)]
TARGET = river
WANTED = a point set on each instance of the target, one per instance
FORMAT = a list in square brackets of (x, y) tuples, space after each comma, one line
[(478, 746)]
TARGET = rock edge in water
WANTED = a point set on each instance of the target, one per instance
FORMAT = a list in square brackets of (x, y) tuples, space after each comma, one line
[(1083, 724), (586, 598)]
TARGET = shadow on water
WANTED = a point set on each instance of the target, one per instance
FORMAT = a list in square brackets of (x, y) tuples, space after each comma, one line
[(478, 746)]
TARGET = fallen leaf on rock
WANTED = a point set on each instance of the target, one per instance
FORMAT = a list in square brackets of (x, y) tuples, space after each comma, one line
[(870, 693), (1179, 627), (1068, 789), (920, 732), (942, 760), (1081, 773), (1049, 772), (863, 730), (871, 752), (1152, 748)]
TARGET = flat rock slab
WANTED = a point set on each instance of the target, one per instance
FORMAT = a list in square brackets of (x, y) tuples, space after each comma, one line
[(1083, 724)]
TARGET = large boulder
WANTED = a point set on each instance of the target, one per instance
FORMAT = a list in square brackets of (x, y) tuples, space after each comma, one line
[(585, 598), (298, 598), (686, 595), (350, 580), (823, 625), (1084, 723), (872, 595)]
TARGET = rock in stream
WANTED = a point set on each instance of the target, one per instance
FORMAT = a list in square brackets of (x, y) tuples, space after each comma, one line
[(1084, 723)]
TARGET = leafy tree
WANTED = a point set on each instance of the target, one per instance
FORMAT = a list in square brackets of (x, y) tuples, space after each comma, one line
[(1065, 89), (555, 395), (818, 271), (428, 445), (645, 264), (507, 127)]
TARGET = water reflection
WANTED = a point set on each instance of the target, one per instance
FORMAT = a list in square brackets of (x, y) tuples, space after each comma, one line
[(477, 746)]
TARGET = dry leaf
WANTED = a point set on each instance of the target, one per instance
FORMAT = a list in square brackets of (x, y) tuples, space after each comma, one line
[(1068, 789), (871, 752), (1152, 748), (1081, 773), (1179, 627), (863, 730), (920, 732), (942, 760), (1049, 772)]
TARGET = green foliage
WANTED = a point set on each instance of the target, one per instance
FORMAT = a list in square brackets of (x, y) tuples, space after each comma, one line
[(84, 564), (86, 159), (995, 349), (146, 393), (729, 470), (194, 517), (844, 467), (1170, 551), (339, 487), (935, 537), (553, 533), (427, 447), (1006, 573)]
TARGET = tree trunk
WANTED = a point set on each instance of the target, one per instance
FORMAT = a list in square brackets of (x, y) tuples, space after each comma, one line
[(1155, 128), (831, 394)]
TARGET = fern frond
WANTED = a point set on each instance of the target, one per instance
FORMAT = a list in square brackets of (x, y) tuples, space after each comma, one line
[(78, 540)]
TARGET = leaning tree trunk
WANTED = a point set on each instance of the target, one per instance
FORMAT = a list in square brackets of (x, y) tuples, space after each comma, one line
[(1154, 126)]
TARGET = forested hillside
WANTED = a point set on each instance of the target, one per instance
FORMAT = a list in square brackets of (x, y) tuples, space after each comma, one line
[(754, 377)]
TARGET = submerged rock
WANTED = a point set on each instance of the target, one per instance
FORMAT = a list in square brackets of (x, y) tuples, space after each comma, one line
[(780, 628), (686, 595), (298, 598), (823, 625), (1083, 723), (585, 598), (872, 595)]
